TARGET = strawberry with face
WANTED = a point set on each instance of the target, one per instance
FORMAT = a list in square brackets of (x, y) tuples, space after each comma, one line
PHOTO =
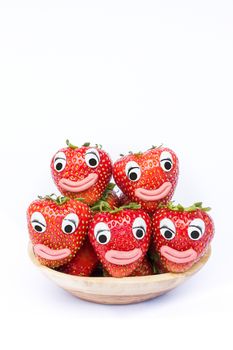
[(181, 235), (120, 239), (57, 229), (81, 172), (148, 178)]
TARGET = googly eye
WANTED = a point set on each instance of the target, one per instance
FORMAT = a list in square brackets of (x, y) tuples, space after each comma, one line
[(167, 229), (70, 223), (166, 161), (92, 158), (196, 229), (133, 171), (59, 161), (139, 228), (38, 222), (102, 233)]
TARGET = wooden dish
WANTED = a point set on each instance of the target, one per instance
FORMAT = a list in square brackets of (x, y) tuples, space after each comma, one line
[(110, 290)]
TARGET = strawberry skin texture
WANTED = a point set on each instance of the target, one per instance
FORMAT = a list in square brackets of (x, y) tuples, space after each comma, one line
[(53, 237), (84, 263), (152, 176), (144, 269), (122, 239), (77, 169), (181, 242)]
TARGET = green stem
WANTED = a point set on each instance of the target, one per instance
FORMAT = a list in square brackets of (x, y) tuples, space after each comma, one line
[(180, 207), (131, 205), (70, 145), (56, 199)]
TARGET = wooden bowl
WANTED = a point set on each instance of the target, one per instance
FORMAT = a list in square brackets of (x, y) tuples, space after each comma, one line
[(110, 290)]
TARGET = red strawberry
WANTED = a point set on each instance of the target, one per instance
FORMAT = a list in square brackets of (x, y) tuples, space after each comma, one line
[(81, 172), (120, 239), (84, 263), (148, 178), (144, 269), (181, 235), (57, 228)]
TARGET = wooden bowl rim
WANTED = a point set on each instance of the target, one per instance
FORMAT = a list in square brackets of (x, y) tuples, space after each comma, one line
[(123, 280)]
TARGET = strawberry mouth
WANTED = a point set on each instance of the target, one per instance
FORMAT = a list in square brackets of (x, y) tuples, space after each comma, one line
[(121, 257), (177, 256), (78, 186), (154, 195), (51, 254)]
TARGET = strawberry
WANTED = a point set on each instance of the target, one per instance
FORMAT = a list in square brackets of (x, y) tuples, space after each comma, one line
[(148, 178), (144, 269), (84, 262), (57, 228), (181, 235), (82, 172), (120, 238)]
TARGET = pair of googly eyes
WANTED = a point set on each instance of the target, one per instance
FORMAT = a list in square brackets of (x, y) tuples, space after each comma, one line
[(92, 159), (196, 229), (103, 234), (133, 170), (69, 223)]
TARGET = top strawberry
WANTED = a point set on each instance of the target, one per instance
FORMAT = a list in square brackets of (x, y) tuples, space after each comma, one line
[(148, 178), (82, 172)]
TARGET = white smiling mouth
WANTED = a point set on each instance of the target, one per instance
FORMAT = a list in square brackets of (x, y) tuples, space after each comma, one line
[(78, 186), (154, 195)]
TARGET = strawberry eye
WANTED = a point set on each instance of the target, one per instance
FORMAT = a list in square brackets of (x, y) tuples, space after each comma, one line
[(38, 222), (166, 161), (196, 229), (60, 161), (167, 229), (92, 158), (133, 171), (139, 228), (70, 223), (102, 233)]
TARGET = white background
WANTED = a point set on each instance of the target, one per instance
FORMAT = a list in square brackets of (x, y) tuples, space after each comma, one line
[(126, 74)]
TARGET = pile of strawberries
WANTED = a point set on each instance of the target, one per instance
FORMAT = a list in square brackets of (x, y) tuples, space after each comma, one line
[(90, 230)]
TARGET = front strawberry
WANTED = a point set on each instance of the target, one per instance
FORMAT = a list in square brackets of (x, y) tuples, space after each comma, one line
[(148, 178), (181, 235), (82, 172), (120, 238), (57, 228)]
